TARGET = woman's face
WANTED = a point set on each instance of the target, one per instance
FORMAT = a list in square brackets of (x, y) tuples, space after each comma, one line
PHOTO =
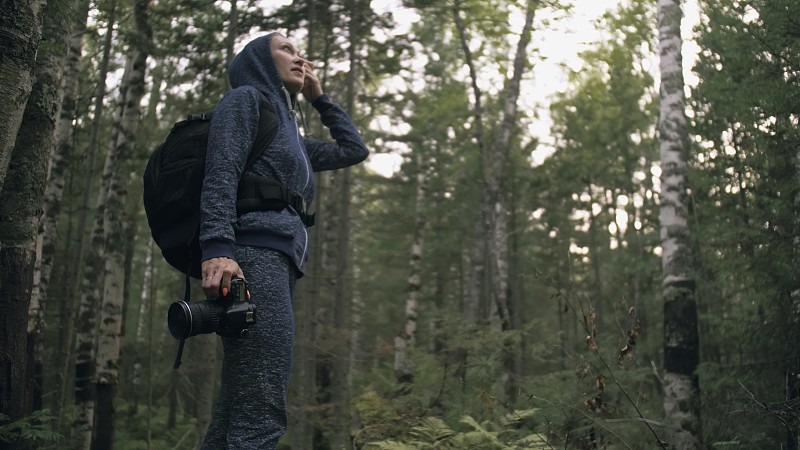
[(288, 62)]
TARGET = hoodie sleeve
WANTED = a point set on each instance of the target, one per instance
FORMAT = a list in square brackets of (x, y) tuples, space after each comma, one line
[(233, 131), (349, 148)]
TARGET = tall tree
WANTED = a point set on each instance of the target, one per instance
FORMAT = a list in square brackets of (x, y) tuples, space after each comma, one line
[(115, 191), (404, 340), (20, 203), (72, 40), (20, 34), (478, 256), (54, 197), (494, 157), (681, 338), (90, 277), (48, 90)]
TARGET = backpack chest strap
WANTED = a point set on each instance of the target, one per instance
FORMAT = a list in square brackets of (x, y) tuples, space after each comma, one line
[(264, 194)]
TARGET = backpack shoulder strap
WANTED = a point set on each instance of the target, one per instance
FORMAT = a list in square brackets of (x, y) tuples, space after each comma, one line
[(267, 129)]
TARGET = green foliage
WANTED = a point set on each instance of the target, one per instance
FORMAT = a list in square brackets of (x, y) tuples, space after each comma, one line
[(433, 433), (36, 429), (133, 431), (745, 173)]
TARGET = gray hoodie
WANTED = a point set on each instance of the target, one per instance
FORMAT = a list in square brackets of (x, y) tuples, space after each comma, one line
[(290, 159)]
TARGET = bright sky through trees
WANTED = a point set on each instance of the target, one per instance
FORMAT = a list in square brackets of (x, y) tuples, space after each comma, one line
[(559, 46)]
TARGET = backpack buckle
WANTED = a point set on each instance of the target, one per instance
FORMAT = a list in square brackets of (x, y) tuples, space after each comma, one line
[(201, 116), (299, 204)]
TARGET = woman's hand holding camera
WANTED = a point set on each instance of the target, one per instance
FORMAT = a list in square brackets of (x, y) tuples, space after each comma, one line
[(217, 274)]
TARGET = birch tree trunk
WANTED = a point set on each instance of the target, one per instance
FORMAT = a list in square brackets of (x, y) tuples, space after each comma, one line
[(20, 33), (494, 159), (403, 366), (141, 348), (56, 181), (20, 203), (681, 340), (47, 94), (477, 269), (88, 273), (118, 162), (498, 245), (494, 163), (53, 194)]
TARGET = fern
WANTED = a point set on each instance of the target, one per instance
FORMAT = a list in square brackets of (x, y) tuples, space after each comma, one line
[(34, 429), (434, 433), (531, 442), (432, 430)]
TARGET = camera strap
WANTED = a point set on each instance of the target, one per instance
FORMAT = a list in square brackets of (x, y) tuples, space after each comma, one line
[(178, 356), (186, 295)]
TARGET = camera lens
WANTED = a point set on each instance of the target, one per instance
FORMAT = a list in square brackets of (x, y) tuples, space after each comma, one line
[(179, 320), (187, 319)]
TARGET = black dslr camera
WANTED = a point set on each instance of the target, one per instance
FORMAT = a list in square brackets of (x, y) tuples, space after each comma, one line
[(229, 316)]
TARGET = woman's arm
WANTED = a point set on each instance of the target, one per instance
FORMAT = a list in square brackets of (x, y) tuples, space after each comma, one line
[(233, 130), (349, 148)]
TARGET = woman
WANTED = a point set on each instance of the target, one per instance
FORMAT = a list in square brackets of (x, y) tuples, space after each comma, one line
[(267, 248)]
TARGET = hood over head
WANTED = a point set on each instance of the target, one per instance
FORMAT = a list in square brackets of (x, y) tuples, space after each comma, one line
[(254, 66)]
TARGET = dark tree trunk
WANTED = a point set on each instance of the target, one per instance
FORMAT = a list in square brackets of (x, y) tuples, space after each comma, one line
[(20, 210), (20, 33), (16, 280)]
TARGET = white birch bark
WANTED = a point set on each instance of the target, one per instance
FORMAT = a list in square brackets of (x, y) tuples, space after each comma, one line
[(403, 365), (88, 273), (53, 194), (114, 237), (476, 271), (132, 91), (681, 341), (494, 159)]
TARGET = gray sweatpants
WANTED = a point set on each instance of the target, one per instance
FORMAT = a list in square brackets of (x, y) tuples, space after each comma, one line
[(250, 412)]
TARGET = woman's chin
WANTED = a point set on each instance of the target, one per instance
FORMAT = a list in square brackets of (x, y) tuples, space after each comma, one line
[(293, 86)]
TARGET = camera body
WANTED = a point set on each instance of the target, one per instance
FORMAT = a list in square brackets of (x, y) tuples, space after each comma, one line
[(229, 316)]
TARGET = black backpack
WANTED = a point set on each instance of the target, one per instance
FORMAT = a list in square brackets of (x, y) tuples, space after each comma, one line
[(173, 180)]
